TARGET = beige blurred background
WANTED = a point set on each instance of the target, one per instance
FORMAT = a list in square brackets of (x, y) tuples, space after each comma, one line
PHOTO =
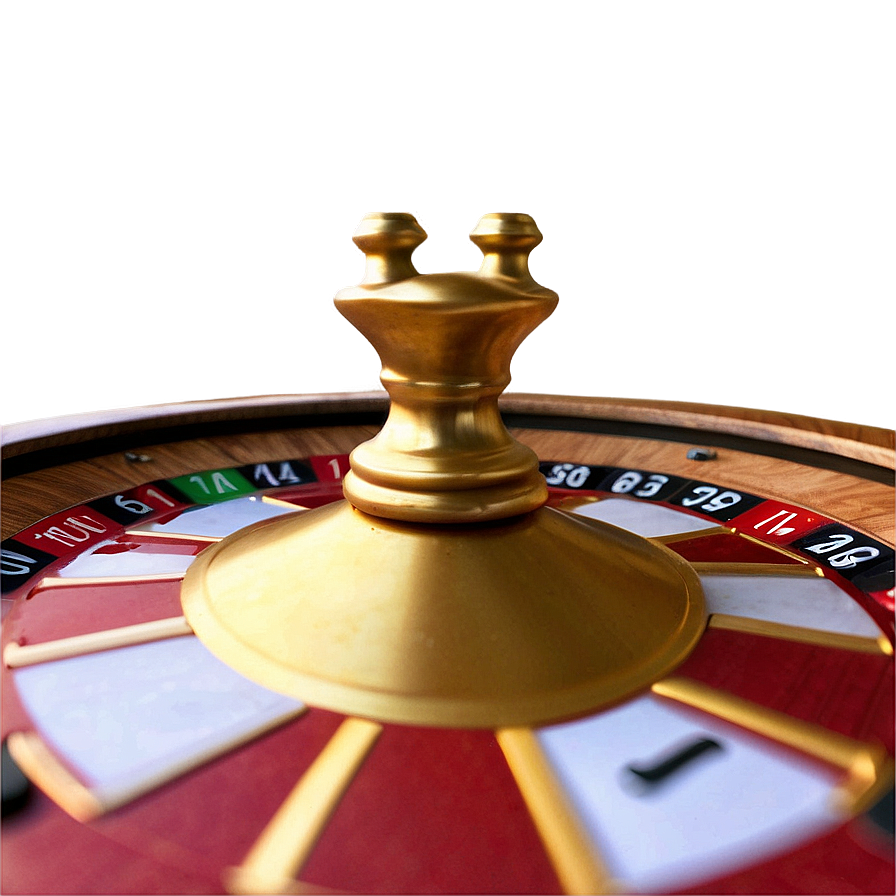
[(714, 182)]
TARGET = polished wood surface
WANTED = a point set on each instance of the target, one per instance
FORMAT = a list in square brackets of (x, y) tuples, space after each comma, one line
[(195, 436), (867, 443), (34, 495)]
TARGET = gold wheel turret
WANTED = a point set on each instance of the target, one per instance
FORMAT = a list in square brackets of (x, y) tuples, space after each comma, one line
[(442, 591), (446, 341)]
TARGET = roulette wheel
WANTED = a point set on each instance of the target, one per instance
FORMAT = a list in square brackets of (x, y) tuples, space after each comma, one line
[(448, 640)]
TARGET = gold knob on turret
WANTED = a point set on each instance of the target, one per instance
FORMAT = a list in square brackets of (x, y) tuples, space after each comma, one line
[(388, 240)]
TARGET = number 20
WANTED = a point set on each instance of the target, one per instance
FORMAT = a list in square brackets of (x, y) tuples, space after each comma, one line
[(568, 475)]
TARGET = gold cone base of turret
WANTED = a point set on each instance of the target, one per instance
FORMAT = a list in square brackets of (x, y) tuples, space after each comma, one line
[(442, 592), (524, 621)]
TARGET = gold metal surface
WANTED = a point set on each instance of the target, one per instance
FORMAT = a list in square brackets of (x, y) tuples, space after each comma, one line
[(49, 773), (869, 770), (16, 655), (574, 857), (445, 342), (780, 549), (767, 629), (693, 535), (514, 623), (42, 767), (443, 592), (152, 534), (277, 502), (756, 570), (69, 581), (285, 844)]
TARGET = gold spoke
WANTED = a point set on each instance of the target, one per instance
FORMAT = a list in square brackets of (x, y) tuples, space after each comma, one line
[(773, 547), (41, 767), (277, 856), (84, 803), (153, 535), (757, 570), (691, 536), (573, 855), (571, 502), (869, 770), (67, 581), (279, 502), (749, 625), (18, 655)]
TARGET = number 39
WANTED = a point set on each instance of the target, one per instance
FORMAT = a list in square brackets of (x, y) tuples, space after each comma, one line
[(714, 500)]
